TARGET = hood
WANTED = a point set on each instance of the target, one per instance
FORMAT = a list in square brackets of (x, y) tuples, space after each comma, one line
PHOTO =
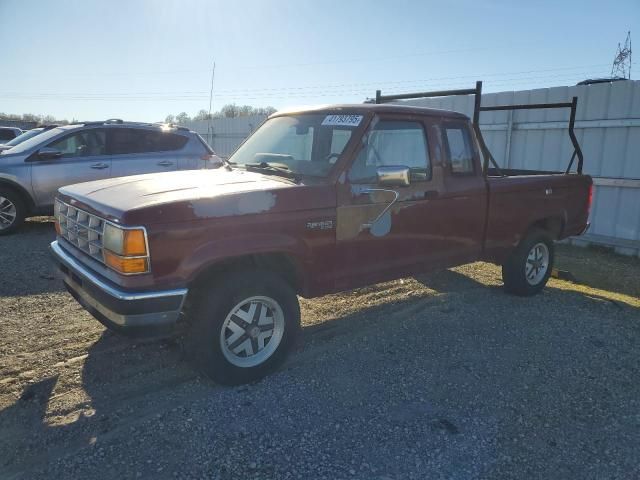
[(193, 195)]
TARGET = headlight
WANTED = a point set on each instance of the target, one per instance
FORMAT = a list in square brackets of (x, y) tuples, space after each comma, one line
[(125, 250)]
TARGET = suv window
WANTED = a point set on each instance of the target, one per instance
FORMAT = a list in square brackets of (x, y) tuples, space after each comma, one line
[(134, 140), (6, 134), (87, 143), (397, 143), (459, 150)]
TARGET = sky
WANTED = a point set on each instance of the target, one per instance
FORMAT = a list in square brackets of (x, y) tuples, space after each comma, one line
[(144, 59)]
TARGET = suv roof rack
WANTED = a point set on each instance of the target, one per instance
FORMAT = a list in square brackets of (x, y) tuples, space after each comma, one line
[(118, 121), (477, 108)]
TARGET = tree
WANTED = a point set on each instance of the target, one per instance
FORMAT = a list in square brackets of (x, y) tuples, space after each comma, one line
[(230, 110), (202, 115), (182, 118)]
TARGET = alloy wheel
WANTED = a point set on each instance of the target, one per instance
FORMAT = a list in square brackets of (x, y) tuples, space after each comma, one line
[(252, 331), (537, 263), (8, 213)]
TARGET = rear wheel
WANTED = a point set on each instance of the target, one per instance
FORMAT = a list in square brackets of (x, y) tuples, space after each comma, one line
[(529, 266), (242, 326), (12, 212)]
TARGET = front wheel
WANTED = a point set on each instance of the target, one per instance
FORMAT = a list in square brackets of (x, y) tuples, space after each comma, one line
[(529, 266), (243, 326), (12, 212)]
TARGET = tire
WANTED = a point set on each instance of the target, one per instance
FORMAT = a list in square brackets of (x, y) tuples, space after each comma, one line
[(232, 316), (12, 211), (529, 266)]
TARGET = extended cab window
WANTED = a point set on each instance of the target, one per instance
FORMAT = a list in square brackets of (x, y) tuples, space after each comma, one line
[(133, 140), (87, 143), (458, 144), (393, 143)]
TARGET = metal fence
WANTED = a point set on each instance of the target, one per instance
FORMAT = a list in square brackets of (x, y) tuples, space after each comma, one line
[(225, 134), (608, 129)]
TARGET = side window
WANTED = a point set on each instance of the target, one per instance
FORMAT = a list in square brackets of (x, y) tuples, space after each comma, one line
[(6, 134), (132, 140), (87, 143), (459, 149), (396, 143)]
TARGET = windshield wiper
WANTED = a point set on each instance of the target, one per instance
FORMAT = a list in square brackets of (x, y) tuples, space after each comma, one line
[(269, 169)]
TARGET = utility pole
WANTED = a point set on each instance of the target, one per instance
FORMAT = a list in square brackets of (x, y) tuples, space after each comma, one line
[(209, 132), (622, 61)]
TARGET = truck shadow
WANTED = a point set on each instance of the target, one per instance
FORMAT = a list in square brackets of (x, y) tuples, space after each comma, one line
[(123, 383), (452, 281)]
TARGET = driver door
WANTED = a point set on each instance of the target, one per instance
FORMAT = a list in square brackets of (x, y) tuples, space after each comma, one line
[(83, 159), (386, 232)]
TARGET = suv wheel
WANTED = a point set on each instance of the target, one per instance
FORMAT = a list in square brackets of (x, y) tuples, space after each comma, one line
[(12, 212), (529, 266), (242, 326)]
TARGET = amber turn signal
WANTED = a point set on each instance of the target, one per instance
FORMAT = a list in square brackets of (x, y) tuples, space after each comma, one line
[(125, 264), (134, 243)]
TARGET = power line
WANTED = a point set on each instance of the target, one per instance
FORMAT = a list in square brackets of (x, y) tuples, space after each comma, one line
[(337, 88), (356, 95), (291, 91)]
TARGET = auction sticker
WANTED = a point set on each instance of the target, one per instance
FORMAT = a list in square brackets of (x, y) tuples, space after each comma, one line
[(342, 120)]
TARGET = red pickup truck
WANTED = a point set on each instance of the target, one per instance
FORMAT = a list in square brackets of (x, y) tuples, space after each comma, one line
[(314, 202)]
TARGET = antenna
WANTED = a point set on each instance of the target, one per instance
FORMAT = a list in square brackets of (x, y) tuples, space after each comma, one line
[(622, 61), (209, 133)]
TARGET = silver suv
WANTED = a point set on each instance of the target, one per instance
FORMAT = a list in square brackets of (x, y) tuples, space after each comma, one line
[(32, 171)]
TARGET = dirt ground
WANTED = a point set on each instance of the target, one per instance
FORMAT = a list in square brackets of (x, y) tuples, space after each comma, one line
[(442, 376)]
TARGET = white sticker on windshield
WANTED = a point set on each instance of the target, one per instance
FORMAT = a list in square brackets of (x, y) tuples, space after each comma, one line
[(342, 120)]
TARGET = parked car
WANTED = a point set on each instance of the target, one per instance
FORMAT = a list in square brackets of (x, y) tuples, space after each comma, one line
[(32, 171), (25, 136), (9, 133), (314, 202)]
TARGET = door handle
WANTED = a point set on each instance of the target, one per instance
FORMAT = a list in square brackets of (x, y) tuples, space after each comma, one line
[(165, 163), (100, 166)]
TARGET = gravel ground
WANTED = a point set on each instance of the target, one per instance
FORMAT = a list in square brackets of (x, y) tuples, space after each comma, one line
[(442, 376)]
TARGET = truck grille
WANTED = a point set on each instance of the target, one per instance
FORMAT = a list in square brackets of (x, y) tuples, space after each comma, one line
[(81, 229)]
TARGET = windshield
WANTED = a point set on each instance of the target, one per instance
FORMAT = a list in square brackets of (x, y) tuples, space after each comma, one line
[(304, 144), (35, 140), (24, 136)]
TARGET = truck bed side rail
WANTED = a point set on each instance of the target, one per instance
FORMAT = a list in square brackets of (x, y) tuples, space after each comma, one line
[(477, 108)]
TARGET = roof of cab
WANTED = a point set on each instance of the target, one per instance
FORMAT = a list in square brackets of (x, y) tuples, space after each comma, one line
[(365, 108)]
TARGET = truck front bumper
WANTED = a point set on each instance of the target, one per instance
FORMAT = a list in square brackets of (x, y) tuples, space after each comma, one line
[(147, 314)]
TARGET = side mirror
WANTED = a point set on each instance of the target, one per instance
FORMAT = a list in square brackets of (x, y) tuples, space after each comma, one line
[(47, 153), (394, 176)]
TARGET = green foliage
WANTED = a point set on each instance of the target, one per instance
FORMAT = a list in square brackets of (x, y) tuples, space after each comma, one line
[(230, 110)]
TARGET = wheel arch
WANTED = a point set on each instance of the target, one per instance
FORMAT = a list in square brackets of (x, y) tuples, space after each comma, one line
[(282, 263), (19, 190)]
